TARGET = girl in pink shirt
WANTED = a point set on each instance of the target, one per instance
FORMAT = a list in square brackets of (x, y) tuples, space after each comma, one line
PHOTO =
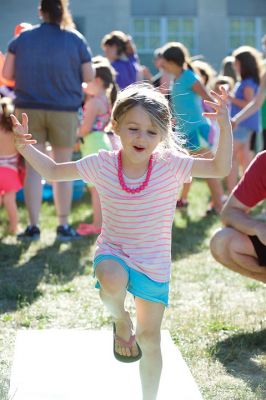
[(137, 186)]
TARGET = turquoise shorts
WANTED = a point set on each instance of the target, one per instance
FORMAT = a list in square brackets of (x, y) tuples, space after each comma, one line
[(139, 285), (199, 138)]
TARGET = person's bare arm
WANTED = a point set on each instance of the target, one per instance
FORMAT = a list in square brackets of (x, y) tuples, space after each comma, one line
[(201, 91), (8, 71), (248, 96), (236, 215), (90, 113), (253, 106), (87, 71)]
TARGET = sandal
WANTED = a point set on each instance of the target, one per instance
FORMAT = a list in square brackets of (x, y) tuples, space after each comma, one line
[(128, 344), (88, 229), (182, 204)]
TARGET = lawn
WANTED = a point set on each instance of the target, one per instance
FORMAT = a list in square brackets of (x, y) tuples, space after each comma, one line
[(216, 317)]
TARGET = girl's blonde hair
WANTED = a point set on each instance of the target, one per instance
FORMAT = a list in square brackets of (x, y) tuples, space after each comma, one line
[(156, 106)]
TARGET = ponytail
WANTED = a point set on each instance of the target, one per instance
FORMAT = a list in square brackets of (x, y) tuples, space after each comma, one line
[(107, 74), (113, 93), (189, 66), (58, 12)]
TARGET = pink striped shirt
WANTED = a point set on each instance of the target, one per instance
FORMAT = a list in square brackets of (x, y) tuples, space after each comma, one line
[(138, 227)]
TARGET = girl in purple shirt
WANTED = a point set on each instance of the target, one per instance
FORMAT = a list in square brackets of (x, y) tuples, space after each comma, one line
[(120, 53), (247, 67)]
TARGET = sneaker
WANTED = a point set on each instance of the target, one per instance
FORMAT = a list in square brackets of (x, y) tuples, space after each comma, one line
[(32, 232), (211, 211), (181, 204), (65, 233)]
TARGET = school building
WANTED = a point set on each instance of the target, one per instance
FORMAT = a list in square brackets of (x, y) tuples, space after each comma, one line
[(212, 28)]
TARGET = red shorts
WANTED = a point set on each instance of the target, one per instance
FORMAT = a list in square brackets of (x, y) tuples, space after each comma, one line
[(9, 180)]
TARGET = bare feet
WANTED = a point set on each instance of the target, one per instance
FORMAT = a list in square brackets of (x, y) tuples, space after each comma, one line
[(124, 329)]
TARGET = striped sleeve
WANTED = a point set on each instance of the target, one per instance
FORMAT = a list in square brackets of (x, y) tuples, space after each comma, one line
[(181, 165), (88, 168)]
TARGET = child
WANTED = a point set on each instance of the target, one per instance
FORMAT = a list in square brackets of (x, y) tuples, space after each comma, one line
[(247, 66), (186, 96), (9, 162), (162, 79), (137, 186), (101, 94), (118, 48)]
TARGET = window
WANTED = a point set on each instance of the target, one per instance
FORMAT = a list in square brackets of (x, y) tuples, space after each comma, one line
[(246, 31), (150, 33)]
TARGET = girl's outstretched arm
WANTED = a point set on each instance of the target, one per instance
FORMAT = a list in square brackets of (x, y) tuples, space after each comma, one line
[(44, 165), (220, 165)]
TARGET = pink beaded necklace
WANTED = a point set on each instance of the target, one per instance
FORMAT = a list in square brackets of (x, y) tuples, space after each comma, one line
[(121, 178)]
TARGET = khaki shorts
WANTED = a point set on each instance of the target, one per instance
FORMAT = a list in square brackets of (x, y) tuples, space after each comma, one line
[(59, 128)]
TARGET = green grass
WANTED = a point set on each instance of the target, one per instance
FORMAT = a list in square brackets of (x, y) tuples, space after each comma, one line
[(216, 317)]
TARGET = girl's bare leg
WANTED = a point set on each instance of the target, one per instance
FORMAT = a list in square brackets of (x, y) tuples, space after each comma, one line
[(216, 189), (149, 320), (9, 201), (185, 191), (113, 279), (33, 191), (245, 155)]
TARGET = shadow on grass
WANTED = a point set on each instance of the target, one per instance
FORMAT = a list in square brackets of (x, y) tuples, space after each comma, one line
[(190, 239), (240, 353), (19, 281)]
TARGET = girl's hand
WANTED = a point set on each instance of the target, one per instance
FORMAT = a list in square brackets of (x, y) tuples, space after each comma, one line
[(220, 106), (21, 135)]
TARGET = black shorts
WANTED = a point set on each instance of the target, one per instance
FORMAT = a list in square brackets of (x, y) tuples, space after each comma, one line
[(253, 140), (260, 250)]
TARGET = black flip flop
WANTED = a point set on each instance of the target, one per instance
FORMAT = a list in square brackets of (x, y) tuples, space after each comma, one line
[(124, 343)]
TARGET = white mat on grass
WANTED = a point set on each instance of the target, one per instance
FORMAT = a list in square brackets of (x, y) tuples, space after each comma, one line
[(79, 365)]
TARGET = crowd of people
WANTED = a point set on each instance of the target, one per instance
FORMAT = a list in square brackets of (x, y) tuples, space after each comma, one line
[(142, 138)]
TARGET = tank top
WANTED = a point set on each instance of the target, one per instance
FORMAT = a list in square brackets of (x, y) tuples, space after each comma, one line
[(102, 120)]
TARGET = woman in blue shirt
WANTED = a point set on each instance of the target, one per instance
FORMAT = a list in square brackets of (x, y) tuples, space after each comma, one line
[(49, 63)]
